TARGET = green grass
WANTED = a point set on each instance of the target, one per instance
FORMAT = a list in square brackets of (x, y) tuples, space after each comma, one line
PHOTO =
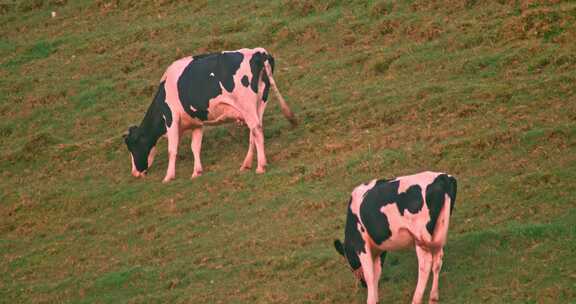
[(483, 90)]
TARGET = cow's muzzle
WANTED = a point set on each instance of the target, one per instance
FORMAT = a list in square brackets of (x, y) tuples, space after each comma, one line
[(139, 174)]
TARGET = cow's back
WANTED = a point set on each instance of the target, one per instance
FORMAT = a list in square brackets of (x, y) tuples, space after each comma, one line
[(193, 82)]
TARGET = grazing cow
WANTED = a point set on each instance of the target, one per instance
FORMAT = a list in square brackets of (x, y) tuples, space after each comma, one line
[(207, 89), (388, 215)]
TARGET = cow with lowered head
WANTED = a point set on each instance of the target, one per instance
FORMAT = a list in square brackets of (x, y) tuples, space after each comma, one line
[(389, 215), (207, 89)]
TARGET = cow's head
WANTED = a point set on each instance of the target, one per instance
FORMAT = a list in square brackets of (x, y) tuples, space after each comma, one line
[(141, 151), (353, 260)]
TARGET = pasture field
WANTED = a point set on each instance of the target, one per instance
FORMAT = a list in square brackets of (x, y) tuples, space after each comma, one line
[(484, 90)]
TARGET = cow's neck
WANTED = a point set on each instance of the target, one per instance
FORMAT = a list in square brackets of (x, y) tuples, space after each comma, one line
[(153, 125)]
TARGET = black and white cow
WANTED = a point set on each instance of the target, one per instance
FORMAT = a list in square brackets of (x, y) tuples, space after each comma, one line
[(207, 89), (388, 215)]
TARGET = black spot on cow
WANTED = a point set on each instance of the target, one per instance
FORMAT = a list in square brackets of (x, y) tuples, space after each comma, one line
[(383, 193), (271, 61), (245, 81), (353, 242), (375, 221), (435, 194), (265, 78), (256, 66), (137, 148), (201, 79), (410, 200), (140, 140), (156, 123), (164, 108), (266, 91), (228, 65)]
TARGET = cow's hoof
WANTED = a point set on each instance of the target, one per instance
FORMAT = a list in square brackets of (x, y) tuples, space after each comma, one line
[(196, 174), (167, 180), (244, 168), (260, 170)]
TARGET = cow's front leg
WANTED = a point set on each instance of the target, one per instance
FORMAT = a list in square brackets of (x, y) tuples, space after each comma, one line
[(424, 265), (367, 263), (196, 148), (247, 163), (173, 134)]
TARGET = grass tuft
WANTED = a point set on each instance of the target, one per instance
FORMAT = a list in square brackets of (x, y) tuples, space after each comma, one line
[(40, 50)]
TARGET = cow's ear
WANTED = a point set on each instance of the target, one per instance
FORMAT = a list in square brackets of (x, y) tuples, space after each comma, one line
[(132, 130), (131, 135), (339, 247)]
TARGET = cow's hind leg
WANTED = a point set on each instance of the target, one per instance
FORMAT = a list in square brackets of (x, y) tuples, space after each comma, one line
[(173, 134), (436, 267), (259, 142), (424, 265), (196, 148), (247, 163), (255, 126)]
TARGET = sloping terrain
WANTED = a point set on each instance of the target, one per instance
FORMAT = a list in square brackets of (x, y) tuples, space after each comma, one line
[(484, 90)]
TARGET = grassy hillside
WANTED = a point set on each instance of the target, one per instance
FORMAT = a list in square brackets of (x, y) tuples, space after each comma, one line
[(484, 90)]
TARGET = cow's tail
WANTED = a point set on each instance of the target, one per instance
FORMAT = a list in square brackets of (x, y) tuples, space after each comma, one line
[(283, 105), (440, 233)]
